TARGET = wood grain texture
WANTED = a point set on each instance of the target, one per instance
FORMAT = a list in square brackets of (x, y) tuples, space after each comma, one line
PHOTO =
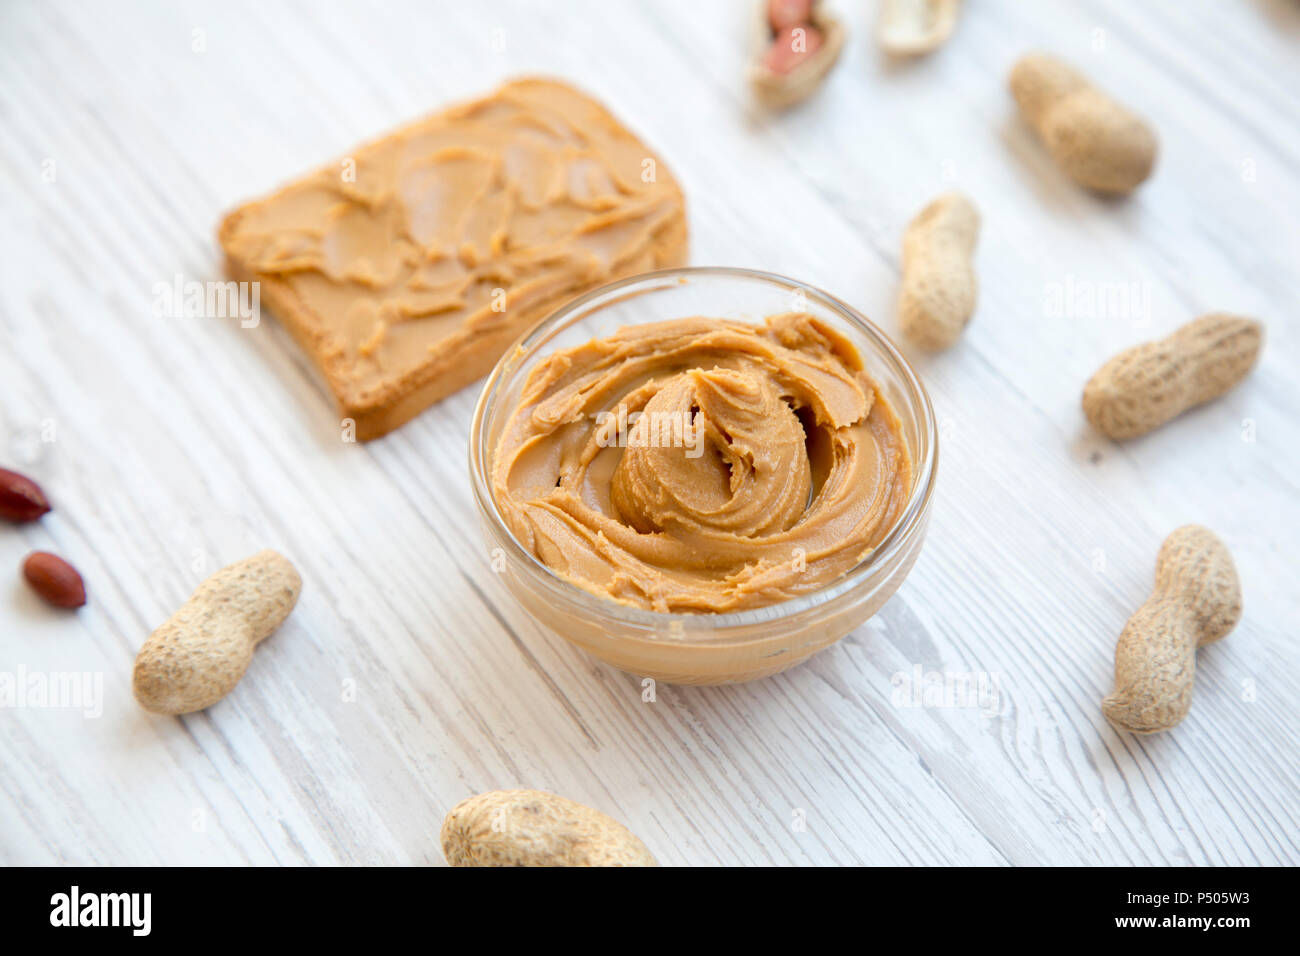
[(407, 679)]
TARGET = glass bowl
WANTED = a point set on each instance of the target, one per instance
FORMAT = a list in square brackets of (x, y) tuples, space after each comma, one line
[(705, 648)]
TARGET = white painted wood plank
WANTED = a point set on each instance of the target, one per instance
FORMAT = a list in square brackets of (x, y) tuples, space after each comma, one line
[(184, 444)]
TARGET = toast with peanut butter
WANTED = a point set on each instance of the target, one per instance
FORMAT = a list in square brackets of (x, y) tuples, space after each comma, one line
[(407, 268)]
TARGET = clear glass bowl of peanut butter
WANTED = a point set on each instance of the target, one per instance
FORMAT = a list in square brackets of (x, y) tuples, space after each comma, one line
[(703, 475)]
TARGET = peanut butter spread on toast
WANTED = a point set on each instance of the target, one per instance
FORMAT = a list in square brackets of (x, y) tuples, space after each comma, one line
[(408, 267)]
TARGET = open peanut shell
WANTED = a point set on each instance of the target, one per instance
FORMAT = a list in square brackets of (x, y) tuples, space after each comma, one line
[(915, 27), (778, 90)]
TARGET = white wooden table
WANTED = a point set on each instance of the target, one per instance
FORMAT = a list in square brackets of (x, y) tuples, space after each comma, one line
[(407, 678)]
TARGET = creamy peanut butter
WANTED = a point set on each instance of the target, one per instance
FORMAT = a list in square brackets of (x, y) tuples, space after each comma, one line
[(409, 266), (703, 465)]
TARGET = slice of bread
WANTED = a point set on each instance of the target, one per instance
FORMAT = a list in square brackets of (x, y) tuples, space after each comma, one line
[(407, 268)]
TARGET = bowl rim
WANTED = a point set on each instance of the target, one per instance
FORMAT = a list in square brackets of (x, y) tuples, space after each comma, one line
[(925, 461)]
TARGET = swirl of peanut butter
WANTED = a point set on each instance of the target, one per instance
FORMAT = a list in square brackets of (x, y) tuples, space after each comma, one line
[(703, 465)]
